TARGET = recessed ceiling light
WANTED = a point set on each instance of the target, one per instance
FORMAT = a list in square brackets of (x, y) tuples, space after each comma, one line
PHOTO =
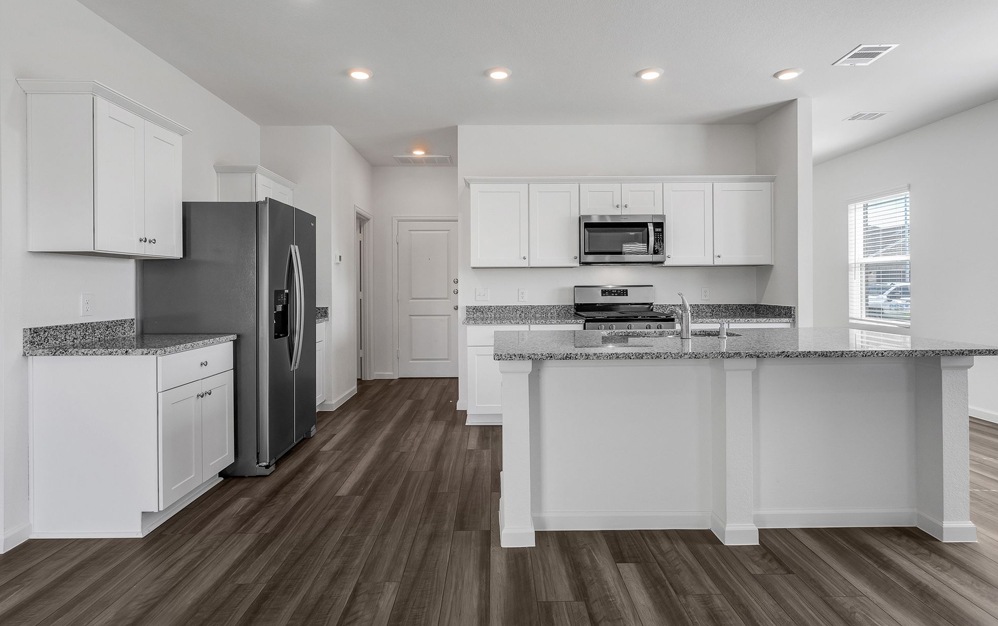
[(498, 73), (418, 152), (788, 74), (650, 73), (361, 73)]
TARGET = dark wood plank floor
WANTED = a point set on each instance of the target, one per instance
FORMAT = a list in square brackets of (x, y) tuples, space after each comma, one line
[(388, 516)]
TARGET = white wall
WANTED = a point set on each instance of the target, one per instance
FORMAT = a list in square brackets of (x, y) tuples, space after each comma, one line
[(783, 148), (62, 39), (954, 218), (401, 192), (331, 179)]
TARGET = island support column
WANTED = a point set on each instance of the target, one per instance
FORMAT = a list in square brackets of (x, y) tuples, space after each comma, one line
[(942, 448), (733, 518), (516, 519)]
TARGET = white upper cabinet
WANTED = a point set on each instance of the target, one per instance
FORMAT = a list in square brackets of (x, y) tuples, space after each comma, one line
[(689, 223), (641, 198), (620, 198), (599, 199), (499, 215), (554, 225), (252, 183), (104, 173), (743, 223)]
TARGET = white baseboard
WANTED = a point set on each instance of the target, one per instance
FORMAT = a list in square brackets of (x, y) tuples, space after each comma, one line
[(839, 518), (383, 376), (984, 414), (338, 402), (494, 419), (623, 520), (734, 534), (15, 537), (462, 405), (949, 532)]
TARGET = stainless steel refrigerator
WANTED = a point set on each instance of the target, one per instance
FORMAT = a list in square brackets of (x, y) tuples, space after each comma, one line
[(248, 268)]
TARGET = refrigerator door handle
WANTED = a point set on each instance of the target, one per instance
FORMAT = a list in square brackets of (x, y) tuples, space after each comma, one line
[(299, 307)]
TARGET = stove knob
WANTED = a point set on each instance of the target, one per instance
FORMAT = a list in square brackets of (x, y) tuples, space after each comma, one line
[(648, 326), (601, 326), (659, 326), (630, 326)]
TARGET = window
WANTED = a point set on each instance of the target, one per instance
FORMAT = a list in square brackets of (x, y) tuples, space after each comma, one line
[(880, 260)]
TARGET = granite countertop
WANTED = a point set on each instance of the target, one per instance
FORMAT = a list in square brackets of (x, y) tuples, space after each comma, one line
[(321, 314), (130, 345), (534, 314), (570, 345)]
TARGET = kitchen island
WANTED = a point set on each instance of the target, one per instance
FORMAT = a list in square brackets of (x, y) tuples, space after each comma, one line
[(764, 429)]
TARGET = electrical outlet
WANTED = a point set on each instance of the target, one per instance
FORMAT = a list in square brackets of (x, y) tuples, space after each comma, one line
[(86, 304), (521, 295), (481, 294), (705, 294)]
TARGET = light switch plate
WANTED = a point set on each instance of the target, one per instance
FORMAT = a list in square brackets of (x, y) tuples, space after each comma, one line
[(521, 295), (481, 294)]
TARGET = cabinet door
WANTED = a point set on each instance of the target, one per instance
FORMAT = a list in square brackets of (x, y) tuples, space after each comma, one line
[(641, 198), (554, 225), (599, 199), (163, 193), (119, 174), (499, 217), (264, 188), (484, 382), (689, 224), (743, 223), (283, 194), (217, 424), (180, 466)]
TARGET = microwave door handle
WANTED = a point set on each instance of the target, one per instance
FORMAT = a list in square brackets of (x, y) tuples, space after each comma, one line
[(651, 237)]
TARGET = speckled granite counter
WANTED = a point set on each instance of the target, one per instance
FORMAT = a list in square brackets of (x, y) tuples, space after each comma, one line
[(109, 338), (321, 314), (130, 345), (534, 314), (780, 343)]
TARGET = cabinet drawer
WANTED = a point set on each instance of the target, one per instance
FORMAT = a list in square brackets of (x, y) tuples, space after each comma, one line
[(484, 335), (184, 367)]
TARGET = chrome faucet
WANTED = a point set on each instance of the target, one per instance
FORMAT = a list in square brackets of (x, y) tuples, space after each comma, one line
[(684, 330)]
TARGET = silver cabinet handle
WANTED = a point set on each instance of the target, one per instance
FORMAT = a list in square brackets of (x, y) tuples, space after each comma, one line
[(455, 307), (204, 363), (209, 392), (524, 258), (142, 240), (455, 291), (616, 206), (575, 257), (719, 256), (152, 241), (200, 395), (625, 205), (455, 281), (668, 256)]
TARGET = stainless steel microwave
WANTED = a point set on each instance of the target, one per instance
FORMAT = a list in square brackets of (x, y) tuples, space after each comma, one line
[(612, 239)]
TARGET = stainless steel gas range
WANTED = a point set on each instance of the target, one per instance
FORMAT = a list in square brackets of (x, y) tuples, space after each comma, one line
[(620, 307)]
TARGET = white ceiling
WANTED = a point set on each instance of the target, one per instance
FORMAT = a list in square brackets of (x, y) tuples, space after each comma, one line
[(284, 62)]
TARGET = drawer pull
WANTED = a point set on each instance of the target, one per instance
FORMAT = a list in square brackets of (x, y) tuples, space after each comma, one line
[(200, 395), (208, 392), (204, 363)]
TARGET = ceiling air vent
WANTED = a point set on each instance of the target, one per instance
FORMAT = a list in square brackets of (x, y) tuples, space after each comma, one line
[(426, 159), (866, 53), (866, 116)]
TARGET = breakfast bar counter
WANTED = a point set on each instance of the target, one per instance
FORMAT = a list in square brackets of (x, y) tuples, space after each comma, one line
[(768, 428)]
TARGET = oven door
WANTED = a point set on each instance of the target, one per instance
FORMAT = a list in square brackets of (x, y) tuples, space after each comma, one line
[(621, 239)]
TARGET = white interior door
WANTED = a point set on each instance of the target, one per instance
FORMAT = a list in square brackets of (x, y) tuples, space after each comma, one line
[(427, 299)]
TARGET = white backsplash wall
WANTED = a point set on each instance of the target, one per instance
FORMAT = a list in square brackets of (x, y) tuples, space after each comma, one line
[(63, 39)]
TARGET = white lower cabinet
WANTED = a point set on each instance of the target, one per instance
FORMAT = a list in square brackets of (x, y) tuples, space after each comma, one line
[(195, 435), (484, 380), (121, 443), (320, 363)]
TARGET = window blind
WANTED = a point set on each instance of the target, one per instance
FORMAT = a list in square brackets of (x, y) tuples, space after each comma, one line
[(880, 260)]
